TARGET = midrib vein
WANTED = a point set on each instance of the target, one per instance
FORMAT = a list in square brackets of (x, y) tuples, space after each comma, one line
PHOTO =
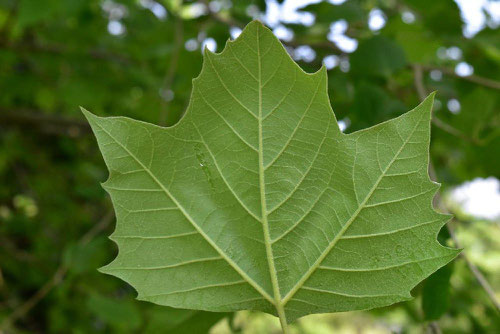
[(233, 264), (320, 259), (265, 225)]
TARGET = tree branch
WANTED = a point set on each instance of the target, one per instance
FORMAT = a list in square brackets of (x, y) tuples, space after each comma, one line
[(474, 269), (422, 94), (56, 278), (433, 328), (8, 22), (327, 45), (227, 20), (31, 47), (49, 124), (490, 83), (483, 282)]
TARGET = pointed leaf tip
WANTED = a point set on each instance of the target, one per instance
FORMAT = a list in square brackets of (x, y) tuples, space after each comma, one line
[(88, 115)]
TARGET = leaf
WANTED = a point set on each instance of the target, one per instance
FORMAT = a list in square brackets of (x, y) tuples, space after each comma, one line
[(436, 293), (351, 11), (120, 314), (124, 315), (436, 288), (371, 105), (442, 18), (418, 46), (33, 11), (379, 56), (173, 321), (256, 200)]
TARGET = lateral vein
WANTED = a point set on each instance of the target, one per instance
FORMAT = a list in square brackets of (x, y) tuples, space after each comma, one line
[(244, 275), (332, 244)]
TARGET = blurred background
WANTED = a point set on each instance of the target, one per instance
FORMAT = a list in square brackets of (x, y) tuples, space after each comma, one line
[(137, 58)]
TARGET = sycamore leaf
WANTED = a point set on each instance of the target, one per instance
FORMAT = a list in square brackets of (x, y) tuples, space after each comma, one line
[(256, 200)]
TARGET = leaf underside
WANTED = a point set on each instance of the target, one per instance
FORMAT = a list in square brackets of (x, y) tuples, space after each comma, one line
[(256, 200)]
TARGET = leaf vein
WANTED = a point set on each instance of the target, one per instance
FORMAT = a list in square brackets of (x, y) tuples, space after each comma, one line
[(224, 178), (296, 128), (320, 259), (305, 174), (359, 236), (226, 122), (233, 264), (347, 294), (175, 265), (196, 289), (227, 89), (397, 200), (379, 268), (173, 236)]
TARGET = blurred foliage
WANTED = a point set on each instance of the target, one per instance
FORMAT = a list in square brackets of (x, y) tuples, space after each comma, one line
[(58, 55)]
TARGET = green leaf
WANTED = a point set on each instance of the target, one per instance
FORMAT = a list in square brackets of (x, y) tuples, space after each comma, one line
[(256, 200), (33, 11), (442, 18), (351, 11), (371, 105), (418, 46), (173, 321), (379, 56), (436, 288), (117, 313), (436, 293)]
